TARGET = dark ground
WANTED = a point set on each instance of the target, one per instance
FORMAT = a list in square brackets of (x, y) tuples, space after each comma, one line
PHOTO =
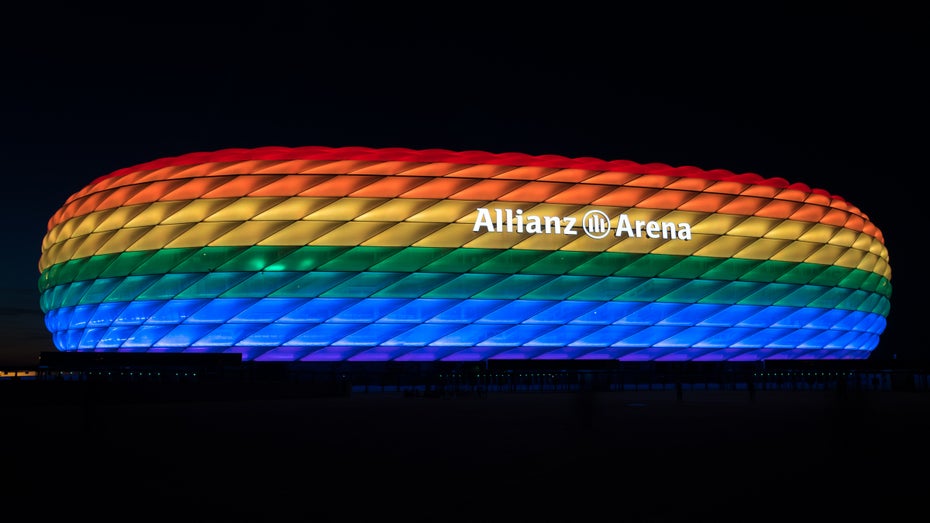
[(535, 456)]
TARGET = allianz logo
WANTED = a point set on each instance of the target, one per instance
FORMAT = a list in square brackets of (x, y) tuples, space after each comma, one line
[(595, 224)]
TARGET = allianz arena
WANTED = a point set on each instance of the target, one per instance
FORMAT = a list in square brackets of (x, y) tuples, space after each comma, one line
[(322, 254)]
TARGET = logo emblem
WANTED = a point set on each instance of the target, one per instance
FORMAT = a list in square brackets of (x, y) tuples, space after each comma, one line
[(596, 224)]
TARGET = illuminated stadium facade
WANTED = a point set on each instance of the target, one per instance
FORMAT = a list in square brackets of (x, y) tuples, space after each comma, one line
[(319, 254)]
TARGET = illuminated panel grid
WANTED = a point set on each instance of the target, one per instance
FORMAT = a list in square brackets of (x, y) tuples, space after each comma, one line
[(358, 254)]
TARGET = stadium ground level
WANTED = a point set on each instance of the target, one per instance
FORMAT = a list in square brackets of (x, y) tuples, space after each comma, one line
[(659, 454)]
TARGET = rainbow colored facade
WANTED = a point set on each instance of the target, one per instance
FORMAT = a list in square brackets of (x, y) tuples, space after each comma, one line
[(360, 254)]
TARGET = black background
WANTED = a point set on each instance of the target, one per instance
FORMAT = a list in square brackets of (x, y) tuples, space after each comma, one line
[(833, 96)]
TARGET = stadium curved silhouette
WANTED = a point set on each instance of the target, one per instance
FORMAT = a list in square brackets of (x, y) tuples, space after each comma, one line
[(354, 254)]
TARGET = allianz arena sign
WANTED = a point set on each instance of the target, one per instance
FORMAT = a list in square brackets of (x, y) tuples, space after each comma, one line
[(594, 223)]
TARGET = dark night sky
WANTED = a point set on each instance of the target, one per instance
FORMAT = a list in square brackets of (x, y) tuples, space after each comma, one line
[(833, 98)]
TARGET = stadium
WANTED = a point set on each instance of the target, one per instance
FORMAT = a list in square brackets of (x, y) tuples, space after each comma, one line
[(355, 254)]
